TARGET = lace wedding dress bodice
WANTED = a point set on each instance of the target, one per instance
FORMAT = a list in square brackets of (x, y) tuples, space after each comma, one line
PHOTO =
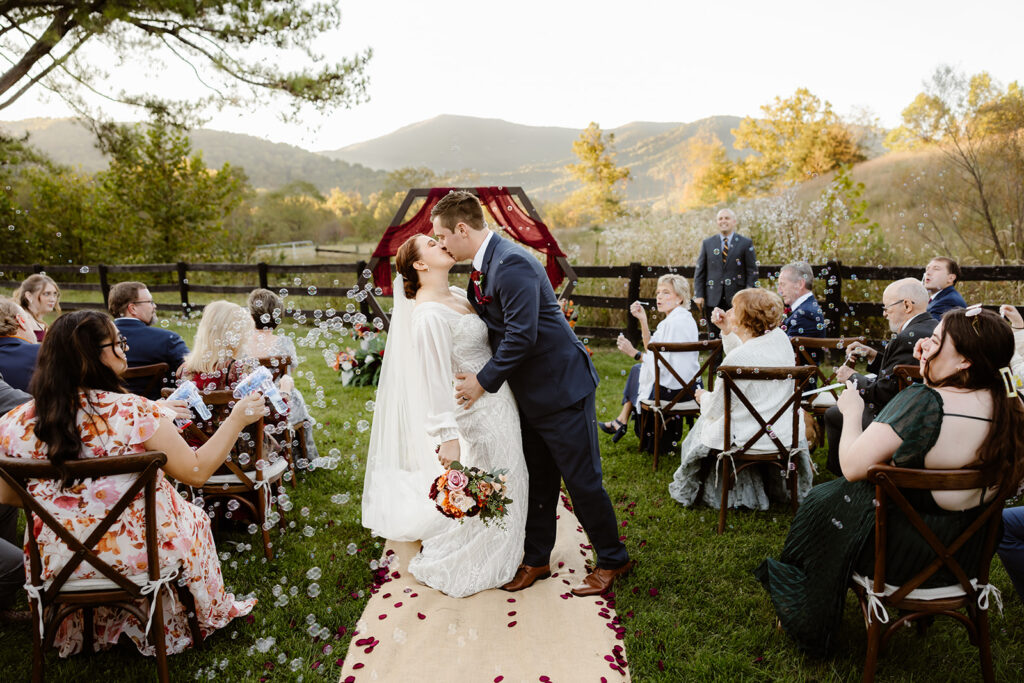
[(467, 557)]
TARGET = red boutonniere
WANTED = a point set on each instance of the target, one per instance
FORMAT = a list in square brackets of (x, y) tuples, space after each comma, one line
[(476, 278)]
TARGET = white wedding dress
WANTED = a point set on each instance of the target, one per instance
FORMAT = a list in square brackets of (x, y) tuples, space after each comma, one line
[(427, 350)]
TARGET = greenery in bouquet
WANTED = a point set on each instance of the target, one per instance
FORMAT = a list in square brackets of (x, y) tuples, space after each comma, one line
[(462, 492), (360, 367)]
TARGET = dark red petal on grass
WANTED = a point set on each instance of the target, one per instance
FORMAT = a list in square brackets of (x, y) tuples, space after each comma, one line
[(653, 592), (316, 665)]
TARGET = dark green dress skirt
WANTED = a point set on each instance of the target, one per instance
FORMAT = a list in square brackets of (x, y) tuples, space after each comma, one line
[(832, 535)]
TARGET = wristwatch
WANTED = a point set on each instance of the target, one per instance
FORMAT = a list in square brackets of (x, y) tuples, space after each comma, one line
[(638, 356)]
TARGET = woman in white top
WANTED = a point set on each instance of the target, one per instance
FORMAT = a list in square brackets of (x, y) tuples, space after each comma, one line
[(751, 337), (673, 294)]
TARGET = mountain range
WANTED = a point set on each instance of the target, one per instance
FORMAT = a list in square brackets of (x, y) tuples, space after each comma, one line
[(482, 151)]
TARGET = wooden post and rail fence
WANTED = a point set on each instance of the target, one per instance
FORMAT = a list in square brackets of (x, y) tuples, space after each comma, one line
[(180, 277)]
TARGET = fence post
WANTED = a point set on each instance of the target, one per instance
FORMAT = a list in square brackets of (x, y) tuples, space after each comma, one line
[(633, 293), (262, 269), (834, 307), (104, 285), (186, 308), (364, 305), (37, 268)]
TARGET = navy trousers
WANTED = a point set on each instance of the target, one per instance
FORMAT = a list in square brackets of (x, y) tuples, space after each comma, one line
[(1011, 547), (12, 558), (563, 446)]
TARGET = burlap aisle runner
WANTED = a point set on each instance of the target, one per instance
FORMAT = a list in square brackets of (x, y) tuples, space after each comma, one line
[(410, 632)]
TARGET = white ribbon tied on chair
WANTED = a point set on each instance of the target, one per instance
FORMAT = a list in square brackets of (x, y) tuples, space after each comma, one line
[(152, 588), (36, 593), (875, 606), (264, 484), (985, 590), (726, 454)]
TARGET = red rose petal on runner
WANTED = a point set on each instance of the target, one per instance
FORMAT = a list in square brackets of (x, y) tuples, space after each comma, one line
[(512, 613), (421, 615), (358, 665), (498, 679), (398, 604)]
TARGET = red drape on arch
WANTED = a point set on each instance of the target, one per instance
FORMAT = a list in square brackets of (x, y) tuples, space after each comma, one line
[(512, 219)]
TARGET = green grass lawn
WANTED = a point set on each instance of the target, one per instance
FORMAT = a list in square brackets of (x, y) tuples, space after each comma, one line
[(691, 609)]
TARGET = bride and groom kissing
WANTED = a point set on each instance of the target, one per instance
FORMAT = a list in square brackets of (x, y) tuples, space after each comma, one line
[(523, 401)]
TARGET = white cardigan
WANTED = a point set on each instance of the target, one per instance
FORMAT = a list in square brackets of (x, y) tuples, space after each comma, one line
[(771, 350)]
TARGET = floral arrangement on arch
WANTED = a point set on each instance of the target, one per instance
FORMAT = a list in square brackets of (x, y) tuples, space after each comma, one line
[(571, 316), (360, 367), (462, 492)]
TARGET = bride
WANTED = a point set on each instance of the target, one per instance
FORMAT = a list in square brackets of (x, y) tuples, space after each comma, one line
[(435, 334)]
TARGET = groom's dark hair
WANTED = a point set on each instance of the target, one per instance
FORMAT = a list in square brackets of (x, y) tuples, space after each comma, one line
[(459, 206)]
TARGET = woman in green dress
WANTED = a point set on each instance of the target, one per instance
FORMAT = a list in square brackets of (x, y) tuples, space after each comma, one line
[(961, 416)]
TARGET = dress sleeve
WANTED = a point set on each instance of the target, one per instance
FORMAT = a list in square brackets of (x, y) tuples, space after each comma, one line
[(1017, 362), (915, 414), (434, 348), (143, 417)]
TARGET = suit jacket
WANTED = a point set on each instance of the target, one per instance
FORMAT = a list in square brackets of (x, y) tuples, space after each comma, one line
[(717, 282), (900, 351), (945, 300), (535, 350), (148, 345), (10, 397), (17, 361), (806, 320)]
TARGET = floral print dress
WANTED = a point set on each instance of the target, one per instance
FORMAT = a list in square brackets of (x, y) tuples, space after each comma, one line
[(119, 424)]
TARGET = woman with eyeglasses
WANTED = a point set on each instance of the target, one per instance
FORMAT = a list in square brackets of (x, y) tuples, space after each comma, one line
[(39, 295), (960, 417), (80, 410)]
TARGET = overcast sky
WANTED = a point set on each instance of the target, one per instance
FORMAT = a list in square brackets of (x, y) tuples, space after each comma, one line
[(566, 63)]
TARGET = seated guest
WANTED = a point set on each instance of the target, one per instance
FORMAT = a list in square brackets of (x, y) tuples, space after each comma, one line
[(266, 309), (673, 296), (39, 296), (904, 304), (752, 337), (80, 410), (12, 560), (17, 356), (804, 317), (134, 312), (940, 278), (959, 417)]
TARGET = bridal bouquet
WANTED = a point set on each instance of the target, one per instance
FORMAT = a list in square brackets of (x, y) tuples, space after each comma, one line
[(462, 492), (361, 367)]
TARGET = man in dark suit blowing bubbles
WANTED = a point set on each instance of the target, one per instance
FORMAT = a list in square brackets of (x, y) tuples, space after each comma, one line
[(725, 265)]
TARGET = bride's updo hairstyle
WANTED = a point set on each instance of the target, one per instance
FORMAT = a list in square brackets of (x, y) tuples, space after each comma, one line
[(408, 254), (986, 341)]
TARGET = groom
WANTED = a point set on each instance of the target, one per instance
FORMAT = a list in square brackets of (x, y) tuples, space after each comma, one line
[(553, 380)]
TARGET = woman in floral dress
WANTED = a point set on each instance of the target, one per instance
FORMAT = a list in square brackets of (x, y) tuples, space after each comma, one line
[(80, 411)]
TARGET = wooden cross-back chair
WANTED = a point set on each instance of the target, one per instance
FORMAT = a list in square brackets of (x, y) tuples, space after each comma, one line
[(53, 601), (278, 366), (749, 454), (663, 408), (242, 477), (907, 375), (970, 593), (155, 373), (805, 349)]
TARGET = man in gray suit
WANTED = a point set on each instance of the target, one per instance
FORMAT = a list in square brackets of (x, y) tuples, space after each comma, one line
[(12, 560), (725, 265)]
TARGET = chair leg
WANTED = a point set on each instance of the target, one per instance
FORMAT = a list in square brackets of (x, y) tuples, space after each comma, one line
[(158, 637), (793, 480), (87, 625), (874, 643), (657, 441), (37, 643), (985, 647), (261, 507), (643, 430), (188, 600), (726, 485)]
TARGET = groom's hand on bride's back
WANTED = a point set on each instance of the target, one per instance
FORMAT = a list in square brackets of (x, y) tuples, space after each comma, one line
[(467, 389)]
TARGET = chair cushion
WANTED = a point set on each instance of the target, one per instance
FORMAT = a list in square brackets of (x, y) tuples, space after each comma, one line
[(825, 398), (270, 473), (939, 593), (104, 584), (682, 407)]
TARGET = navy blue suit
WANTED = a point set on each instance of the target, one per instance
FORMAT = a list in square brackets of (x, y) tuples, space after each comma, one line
[(148, 345), (945, 300), (554, 382), (806, 320), (17, 361)]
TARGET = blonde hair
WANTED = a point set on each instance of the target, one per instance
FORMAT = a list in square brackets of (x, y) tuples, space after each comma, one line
[(679, 285), (9, 312), (223, 330)]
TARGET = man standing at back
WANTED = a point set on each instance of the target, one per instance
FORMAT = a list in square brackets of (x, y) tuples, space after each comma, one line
[(134, 311), (725, 265), (940, 278), (554, 382)]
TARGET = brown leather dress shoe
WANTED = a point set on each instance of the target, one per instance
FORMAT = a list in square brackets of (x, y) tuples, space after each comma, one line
[(525, 576), (600, 580)]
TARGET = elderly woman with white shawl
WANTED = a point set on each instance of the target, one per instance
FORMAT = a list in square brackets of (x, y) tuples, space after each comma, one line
[(751, 338)]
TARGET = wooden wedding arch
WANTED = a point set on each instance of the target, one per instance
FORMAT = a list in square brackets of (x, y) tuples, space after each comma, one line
[(510, 210)]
